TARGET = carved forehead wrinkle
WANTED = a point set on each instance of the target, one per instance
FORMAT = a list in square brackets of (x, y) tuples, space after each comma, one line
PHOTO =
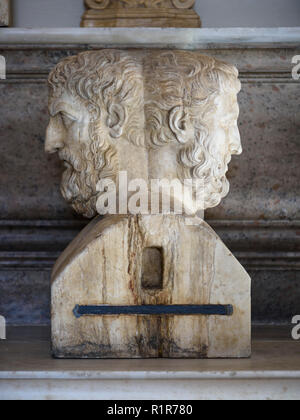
[(66, 103)]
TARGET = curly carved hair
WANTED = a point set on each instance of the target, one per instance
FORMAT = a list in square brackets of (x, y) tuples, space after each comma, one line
[(109, 83), (142, 93), (193, 82)]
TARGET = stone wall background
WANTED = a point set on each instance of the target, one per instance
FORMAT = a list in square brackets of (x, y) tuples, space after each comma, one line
[(259, 221), (214, 13)]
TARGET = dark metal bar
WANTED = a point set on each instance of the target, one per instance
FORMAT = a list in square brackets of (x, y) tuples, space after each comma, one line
[(223, 310)]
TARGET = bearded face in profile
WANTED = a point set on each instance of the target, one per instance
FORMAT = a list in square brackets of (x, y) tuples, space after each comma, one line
[(180, 106), (85, 156), (93, 97), (193, 107)]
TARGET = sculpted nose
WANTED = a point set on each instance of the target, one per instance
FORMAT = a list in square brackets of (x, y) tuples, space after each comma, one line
[(235, 144), (54, 138)]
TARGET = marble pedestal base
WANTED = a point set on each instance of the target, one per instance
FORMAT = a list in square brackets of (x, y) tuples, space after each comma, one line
[(149, 260), (27, 372)]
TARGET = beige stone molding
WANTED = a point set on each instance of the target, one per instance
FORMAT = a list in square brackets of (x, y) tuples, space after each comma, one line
[(5, 13), (140, 13)]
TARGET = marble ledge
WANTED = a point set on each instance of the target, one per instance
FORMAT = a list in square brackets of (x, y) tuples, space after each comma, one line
[(27, 371), (154, 37)]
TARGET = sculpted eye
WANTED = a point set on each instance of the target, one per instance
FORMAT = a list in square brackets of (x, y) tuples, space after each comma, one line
[(67, 119)]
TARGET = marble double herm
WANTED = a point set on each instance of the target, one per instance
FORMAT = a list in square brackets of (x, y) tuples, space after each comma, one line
[(153, 284)]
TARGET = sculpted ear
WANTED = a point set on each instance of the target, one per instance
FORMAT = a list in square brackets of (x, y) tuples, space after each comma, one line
[(178, 121), (116, 119)]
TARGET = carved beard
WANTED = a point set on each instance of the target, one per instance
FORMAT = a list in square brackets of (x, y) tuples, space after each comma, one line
[(83, 171), (219, 187), (203, 161)]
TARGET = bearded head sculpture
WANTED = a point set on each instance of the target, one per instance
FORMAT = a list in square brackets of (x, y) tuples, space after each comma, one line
[(94, 99), (192, 105), (164, 114)]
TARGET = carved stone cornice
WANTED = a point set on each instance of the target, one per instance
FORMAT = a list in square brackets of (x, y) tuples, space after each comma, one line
[(129, 4), (140, 13), (34, 245)]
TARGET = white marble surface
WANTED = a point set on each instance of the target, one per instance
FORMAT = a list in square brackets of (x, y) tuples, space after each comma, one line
[(28, 372), (150, 389), (155, 37), (149, 374)]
